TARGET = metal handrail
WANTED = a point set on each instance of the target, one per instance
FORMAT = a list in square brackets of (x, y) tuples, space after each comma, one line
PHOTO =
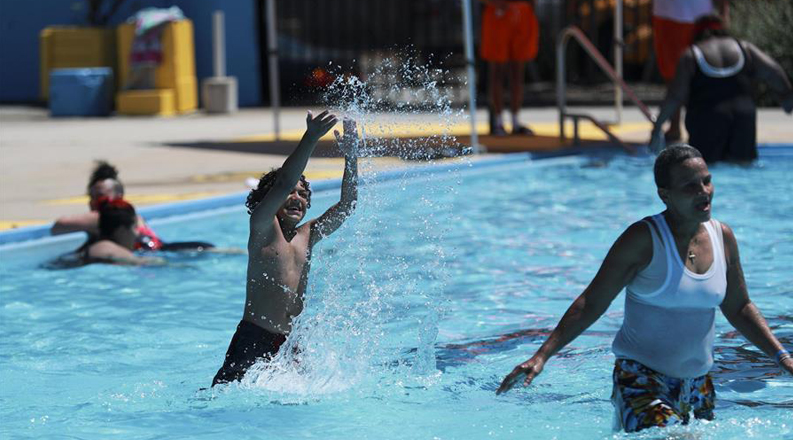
[(591, 50)]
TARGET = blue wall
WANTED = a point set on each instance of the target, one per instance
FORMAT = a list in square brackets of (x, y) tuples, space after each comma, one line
[(21, 21)]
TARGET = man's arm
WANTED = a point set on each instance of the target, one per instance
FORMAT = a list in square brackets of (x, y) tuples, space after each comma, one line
[(676, 95), (769, 71), (87, 222), (334, 217), (740, 311), (628, 255), (285, 181)]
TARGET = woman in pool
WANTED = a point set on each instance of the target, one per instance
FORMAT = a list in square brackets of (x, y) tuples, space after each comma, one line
[(104, 183), (714, 80), (117, 236), (678, 267)]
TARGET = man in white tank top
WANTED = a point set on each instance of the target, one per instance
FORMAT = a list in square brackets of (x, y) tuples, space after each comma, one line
[(678, 267)]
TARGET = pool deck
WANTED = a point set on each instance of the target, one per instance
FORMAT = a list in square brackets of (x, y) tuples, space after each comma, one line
[(45, 162)]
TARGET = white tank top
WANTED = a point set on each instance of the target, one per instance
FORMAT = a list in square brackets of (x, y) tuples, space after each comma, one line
[(670, 310), (682, 11)]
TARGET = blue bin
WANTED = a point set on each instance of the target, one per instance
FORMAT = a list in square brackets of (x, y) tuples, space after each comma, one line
[(81, 92)]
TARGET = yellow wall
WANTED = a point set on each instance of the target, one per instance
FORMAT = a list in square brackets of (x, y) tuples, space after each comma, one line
[(63, 47), (177, 70)]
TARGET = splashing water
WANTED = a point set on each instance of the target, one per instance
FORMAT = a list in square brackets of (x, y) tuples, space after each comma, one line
[(375, 323)]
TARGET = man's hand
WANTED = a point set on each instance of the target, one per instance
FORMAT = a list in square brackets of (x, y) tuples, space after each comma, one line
[(349, 143), (316, 127), (657, 142), (526, 371)]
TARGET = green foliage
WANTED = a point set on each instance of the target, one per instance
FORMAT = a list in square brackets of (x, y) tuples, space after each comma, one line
[(768, 24)]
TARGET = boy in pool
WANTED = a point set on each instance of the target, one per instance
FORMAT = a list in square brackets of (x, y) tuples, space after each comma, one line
[(280, 250), (678, 267)]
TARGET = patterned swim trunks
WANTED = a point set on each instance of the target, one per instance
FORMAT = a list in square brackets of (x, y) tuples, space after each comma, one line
[(644, 398)]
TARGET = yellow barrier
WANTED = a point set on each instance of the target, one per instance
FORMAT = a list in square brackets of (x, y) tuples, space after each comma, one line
[(176, 72), (63, 47), (146, 102)]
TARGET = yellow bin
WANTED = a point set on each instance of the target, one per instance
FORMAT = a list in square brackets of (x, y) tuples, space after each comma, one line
[(62, 47), (176, 73), (146, 102)]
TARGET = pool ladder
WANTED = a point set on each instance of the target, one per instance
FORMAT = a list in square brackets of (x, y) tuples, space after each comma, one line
[(616, 79)]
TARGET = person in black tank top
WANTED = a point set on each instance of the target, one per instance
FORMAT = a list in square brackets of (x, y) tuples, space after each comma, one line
[(714, 81)]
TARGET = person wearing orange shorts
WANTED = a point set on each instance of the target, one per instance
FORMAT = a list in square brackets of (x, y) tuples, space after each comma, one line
[(510, 38), (673, 32)]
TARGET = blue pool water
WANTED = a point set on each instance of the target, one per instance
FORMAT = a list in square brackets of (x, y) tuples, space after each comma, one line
[(417, 308)]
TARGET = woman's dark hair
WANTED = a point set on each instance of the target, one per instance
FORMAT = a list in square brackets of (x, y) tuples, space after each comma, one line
[(265, 183), (104, 171), (114, 214), (671, 156), (708, 26)]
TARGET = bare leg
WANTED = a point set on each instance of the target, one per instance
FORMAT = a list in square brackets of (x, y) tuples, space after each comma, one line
[(496, 74), (516, 85), (516, 69)]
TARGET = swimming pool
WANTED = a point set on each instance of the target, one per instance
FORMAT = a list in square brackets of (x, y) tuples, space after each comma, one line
[(417, 308)]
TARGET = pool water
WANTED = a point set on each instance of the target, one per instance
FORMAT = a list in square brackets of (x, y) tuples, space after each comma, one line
[(417, 308)]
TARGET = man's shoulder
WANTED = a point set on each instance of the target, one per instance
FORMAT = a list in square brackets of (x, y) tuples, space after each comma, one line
[(638, 235), (726, 231), (641, 227)]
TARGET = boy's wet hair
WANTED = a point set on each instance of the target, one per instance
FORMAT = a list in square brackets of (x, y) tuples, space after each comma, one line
[(103, 171), (265, 183), (669, 157), (114, 214)]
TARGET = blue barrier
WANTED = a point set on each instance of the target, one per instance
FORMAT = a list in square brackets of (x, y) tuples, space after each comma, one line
[(81, 92)]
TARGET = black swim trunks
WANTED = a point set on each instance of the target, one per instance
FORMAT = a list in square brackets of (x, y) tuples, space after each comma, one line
[(249, 344)]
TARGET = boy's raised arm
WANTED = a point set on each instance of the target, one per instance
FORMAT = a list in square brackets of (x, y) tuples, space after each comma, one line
[(334, 217), (316, 127)]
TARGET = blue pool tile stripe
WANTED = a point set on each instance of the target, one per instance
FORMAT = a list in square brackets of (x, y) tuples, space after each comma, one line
[(775, 150)]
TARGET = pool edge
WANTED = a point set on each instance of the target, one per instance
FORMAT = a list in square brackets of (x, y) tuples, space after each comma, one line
[(30, 233)]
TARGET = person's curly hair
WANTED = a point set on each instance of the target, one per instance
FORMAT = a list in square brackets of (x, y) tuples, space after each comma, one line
[(265, 183), (103, 171)]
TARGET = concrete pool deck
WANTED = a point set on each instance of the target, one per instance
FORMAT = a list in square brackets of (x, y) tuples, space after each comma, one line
[(45, 163)]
